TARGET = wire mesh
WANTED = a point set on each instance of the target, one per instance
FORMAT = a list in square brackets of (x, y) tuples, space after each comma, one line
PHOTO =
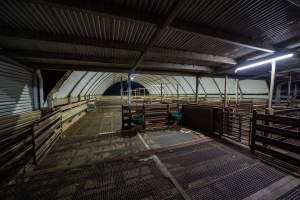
[(117, 180), (215, 171)]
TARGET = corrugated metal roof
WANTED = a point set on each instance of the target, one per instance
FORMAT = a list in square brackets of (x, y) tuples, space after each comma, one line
[(266, 20), (57, 20), (177, 39), (155, 7), (58, 47)]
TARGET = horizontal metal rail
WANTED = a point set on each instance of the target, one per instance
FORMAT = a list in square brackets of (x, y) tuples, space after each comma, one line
[(272, 135)]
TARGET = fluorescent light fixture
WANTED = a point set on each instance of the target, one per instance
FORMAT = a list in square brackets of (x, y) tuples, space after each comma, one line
[(264, 62), (131, 78)]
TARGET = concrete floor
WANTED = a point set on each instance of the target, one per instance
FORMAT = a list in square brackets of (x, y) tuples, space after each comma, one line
[(86, 164)]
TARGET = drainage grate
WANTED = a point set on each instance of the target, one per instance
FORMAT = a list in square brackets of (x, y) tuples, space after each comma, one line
[(117, 180)]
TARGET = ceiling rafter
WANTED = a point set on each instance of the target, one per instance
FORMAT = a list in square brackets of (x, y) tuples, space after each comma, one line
[(178, 70), (156, 54), (160, 30), (114, 45)]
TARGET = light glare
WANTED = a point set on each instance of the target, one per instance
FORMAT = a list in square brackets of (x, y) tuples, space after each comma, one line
[(264, 62)]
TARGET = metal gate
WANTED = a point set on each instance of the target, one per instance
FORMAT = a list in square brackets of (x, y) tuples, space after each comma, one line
[(236, 126)]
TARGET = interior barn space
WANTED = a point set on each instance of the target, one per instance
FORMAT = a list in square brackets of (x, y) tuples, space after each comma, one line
[(150, 99)]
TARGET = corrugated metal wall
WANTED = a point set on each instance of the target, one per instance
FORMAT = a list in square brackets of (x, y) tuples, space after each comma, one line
[(15, 88)]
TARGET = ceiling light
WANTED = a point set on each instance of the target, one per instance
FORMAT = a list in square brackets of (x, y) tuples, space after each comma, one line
[(264, 62)]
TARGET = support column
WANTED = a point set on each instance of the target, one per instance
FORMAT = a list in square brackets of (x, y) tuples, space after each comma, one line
[(225, 91), (197, 89), (272, 81), (35, 92), (129, 88), (41, 88), (121, 89), (236, 90), (177, 90), (161, 92), (289, 87)]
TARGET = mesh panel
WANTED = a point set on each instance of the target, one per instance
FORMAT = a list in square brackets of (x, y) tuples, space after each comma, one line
[(88, 149), (118, 180), (214, 171)]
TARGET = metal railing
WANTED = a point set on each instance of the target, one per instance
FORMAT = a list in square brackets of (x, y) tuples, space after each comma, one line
[(278, 136)]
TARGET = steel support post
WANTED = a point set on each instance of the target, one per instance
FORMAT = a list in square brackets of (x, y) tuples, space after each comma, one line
[(289, 87), (272, 81), (129, 88), (197, 89)]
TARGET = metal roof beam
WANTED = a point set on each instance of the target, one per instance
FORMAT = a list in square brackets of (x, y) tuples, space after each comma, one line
[(222, 36), (159, 31), (28, 55), (157, 70), (156, 54), (65, 39)]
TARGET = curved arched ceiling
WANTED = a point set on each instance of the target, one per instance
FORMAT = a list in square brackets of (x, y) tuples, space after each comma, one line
[(81, 83)]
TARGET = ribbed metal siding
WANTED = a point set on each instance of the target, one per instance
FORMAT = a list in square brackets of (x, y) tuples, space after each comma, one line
[(15, 89)]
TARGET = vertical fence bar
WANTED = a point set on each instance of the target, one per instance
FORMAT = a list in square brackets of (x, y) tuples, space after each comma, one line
[(197, 89), (221, 123), (253, 131), (289, 87), (240, 127), (225, 91), (129, 88), (33, 145)]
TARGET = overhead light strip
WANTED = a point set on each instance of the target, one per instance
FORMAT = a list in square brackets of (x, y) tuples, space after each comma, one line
[(264, 62)]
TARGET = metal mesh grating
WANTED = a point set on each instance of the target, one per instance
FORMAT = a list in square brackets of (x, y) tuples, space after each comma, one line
[(74, 151), (237, 185), (163, 138), (293, 194), (118, 180), (215, 171)]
